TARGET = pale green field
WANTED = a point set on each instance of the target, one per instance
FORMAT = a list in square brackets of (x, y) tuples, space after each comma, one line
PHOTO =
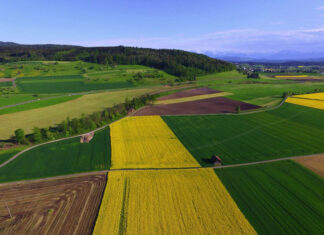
[(54, 114)]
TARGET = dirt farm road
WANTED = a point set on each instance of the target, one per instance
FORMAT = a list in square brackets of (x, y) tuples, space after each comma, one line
[(160, 169)]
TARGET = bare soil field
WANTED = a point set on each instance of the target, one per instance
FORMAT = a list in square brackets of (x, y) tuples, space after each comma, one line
[(206, 106), (315, 164), (7, 79), (60, 206), (188, 93)]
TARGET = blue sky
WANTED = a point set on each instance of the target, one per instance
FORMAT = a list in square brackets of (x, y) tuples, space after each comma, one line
[(207, 25)]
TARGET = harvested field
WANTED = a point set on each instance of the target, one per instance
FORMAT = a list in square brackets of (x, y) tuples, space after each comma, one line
[(7, 79), (317, 104), (315, 164), (193, 98), (169, 202), (146, 142), (189, 93), (60, 206), (205, 106)]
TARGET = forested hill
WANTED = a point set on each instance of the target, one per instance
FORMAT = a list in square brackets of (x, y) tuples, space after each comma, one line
[(175, 62)]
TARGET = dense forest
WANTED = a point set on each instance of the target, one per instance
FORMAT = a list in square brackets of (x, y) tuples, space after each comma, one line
[(176, 62)]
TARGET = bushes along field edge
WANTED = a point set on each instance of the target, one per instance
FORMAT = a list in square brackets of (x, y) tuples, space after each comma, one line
[(83, 124)]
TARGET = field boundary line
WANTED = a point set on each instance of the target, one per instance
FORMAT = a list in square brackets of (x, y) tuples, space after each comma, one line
[(157, 169), (221, 114), (132, 114)]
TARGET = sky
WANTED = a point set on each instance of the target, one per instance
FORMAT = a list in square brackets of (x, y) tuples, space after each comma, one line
[(218, 26)]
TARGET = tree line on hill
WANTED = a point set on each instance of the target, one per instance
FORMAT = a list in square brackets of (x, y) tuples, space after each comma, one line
[(85, 123), (185, 65)]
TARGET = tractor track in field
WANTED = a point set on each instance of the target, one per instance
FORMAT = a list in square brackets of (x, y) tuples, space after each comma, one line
[(160, 169)]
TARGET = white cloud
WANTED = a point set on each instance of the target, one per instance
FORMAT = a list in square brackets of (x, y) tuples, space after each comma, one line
[(321, 8), (239, 41)]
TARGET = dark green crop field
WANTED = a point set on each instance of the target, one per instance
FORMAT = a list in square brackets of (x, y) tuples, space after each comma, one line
[(60, 158), (64, 84), (291, 130), (5, 84), (277, 198), (8, 153)]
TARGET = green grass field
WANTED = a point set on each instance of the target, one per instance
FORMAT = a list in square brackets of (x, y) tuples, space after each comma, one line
[(290, 130), (5, 154), (54, 114), (277, 198), (38, 104), (60, 158), (11, 99)]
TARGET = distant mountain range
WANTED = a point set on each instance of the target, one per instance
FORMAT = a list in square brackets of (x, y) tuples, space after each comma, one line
[(282, 56)]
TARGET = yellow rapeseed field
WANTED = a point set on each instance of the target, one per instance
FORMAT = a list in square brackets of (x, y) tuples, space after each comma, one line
[(169, 202), (315, 96), (291, 76), (318, 104), (147, 142), (193, 98)]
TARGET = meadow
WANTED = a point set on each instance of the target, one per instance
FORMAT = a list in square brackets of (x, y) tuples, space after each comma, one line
[(172, 202), (38, 104), (146, 142), (54, 114), (277, 198), (60, 158), (290, 130)]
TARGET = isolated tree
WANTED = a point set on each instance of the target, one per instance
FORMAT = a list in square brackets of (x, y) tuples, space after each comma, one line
[(238, 108), (20, 136)]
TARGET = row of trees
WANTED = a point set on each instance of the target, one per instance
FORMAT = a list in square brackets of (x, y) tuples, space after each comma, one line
[(85, 123), (176, 62)]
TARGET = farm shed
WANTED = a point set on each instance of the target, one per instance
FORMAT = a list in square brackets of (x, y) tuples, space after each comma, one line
[(216, 160), (86, 138)]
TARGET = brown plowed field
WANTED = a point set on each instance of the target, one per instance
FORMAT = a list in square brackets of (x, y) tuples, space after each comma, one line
[(206, 106), (315, 163), (60, 206), (7, 79), (188, 93)]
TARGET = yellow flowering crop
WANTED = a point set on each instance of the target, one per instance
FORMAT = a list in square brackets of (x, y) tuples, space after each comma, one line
[(193, 98), (315, 96), (318, 104), (291, 76), (146, 142), (169, 202)]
